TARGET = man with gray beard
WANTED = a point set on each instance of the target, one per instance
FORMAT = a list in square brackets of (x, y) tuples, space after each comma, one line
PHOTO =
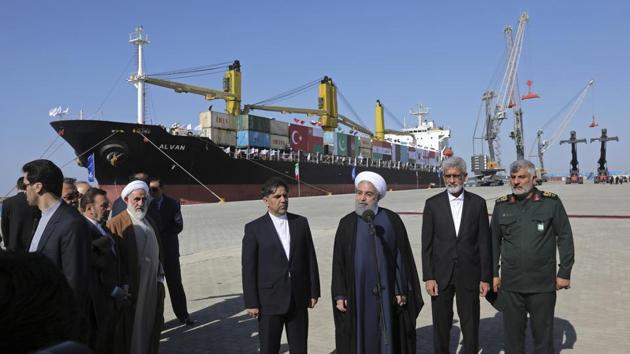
[(527, 227), (456, 257), (375, 287), (140, 255)]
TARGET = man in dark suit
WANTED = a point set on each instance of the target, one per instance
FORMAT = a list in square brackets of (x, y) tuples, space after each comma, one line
[(61, 233), (18, 220), (171, 224), (456, 257), (105, 272), (280, 273)]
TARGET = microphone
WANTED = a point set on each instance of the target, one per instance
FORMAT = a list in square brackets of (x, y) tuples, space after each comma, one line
[(368, 216)]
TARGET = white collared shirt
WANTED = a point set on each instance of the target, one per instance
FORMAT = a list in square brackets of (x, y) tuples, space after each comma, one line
[(281, 223), (41, 226), (457, 205)]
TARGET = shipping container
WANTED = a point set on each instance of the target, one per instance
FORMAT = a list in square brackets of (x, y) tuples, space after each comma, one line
[(404, 154), (342, 144), (247, 138), (381, 147), (278, 127), (318, 131), (299, 137), (210, 119), (330, 138), (315, 144), (221, 137), (249, 122), (318, 148), (365, 142), (278, 142), (354, 146)]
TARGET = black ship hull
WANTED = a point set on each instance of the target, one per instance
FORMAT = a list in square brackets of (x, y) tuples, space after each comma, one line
[(195, 170)]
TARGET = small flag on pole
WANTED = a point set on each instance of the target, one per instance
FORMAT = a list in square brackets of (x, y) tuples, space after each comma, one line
[(90, 167), (297, 171)]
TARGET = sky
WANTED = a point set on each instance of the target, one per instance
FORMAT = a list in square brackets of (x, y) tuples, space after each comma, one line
[(443, 54)]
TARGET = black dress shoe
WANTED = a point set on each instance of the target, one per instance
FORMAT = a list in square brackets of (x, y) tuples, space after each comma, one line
[(188, 321)]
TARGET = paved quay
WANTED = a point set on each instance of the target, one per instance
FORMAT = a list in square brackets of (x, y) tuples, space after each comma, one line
[(592, 317)]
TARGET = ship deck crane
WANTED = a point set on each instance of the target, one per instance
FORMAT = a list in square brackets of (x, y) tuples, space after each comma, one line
[(231, 92), (329, 118), (543, 145)]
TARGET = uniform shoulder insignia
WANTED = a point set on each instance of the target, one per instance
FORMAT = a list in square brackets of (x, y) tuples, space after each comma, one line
[(550, 195), (502, 199)]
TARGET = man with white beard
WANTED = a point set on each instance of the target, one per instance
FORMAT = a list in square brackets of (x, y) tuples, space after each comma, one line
[(456, 257), (140, 255), (527, 228)]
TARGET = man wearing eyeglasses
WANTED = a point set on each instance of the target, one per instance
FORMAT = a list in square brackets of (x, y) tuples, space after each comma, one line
[(171, 224), (69, 192), (456, 257)]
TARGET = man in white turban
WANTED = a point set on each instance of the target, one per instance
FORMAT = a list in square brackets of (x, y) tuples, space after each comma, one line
[(375, 286), (141, 257)]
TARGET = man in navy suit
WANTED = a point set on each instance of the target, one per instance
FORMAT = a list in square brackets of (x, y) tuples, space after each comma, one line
[(171, 224), (280, 273), (61, 233), (456, 257)]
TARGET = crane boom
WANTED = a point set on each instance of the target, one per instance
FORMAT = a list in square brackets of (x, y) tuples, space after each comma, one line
[(544, 145), (209, 94)]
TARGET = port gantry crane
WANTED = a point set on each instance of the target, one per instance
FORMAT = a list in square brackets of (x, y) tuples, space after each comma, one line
[(543, 145), (498, 102), (602, 169)]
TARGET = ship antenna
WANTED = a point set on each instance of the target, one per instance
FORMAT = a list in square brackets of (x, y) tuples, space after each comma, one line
[(139, 39)]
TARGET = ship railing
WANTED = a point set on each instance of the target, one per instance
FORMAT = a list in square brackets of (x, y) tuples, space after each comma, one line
[(319, 158)]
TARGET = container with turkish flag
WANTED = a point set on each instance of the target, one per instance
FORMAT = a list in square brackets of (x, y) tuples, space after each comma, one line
[(298, 137)]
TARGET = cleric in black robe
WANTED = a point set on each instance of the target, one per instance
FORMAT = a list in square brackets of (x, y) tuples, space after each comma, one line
[(372, 243)]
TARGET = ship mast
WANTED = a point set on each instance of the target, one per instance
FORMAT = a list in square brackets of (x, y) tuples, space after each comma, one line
[(139, 39)]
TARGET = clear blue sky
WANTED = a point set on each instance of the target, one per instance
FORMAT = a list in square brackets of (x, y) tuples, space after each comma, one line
[(443, 54)]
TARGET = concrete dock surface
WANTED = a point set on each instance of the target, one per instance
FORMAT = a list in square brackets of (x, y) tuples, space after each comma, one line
[(591, 317)]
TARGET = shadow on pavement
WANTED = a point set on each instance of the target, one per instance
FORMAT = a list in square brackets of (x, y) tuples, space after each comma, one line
[(220, 328), (491, 336)]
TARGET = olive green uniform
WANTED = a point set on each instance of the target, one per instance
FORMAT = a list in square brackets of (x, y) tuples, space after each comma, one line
[(525, 234)]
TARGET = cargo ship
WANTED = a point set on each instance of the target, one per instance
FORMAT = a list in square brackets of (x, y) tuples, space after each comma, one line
[(230, 155)]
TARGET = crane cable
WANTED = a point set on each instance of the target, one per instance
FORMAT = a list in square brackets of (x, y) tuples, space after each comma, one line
[(392, 116), (347, 103), (221, 200), (193, 71), (290, 93)]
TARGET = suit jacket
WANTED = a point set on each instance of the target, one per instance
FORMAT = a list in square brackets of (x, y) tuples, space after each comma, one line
[(18, 222), (66, 241), (171, 224), (270, 280), (105, 265), (442, 249)]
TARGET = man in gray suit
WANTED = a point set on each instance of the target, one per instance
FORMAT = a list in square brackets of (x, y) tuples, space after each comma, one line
[(61, 233)]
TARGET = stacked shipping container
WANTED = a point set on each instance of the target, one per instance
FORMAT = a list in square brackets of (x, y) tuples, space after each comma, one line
[(219, 127)]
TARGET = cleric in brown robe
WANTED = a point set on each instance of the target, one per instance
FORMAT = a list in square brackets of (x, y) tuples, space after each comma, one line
[(140, 254), (371, 248)]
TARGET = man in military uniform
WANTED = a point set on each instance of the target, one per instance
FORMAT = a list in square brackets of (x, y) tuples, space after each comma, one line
[(527, 225)]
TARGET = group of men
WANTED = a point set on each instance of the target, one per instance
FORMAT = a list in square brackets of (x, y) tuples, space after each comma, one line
[(116, 265), (376, 292)]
